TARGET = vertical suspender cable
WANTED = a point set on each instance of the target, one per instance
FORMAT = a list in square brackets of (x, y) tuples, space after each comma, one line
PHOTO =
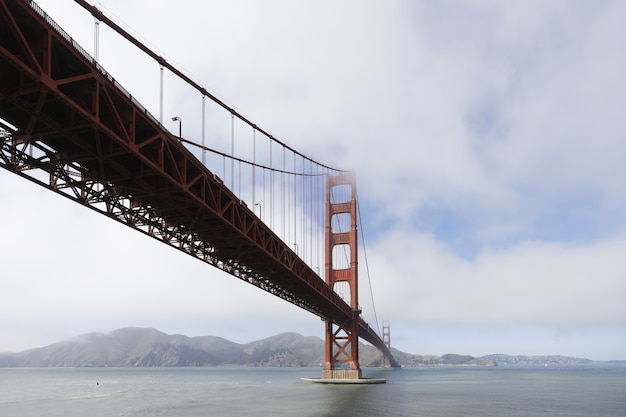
[(302, 210), (263, 189), (254, 168), (161, 98), (295, 205), (311, 237), (282, 199), (271, 186), (322, 216), (96, 38), (317, 216), (307, 207), (232, 151), (288, 203), (301, 244), (367, 267), (203, 130)]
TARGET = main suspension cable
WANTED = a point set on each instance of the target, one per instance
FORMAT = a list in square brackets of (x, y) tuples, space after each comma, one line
[(367, 267), (99, 15), (253, 164)]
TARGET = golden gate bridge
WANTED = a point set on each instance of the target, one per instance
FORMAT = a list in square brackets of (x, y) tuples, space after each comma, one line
[(274, 218)]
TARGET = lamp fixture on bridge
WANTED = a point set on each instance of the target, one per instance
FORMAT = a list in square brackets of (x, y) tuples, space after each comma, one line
[(180, 126)]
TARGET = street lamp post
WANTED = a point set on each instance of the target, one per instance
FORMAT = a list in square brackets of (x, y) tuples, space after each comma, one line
[(180, 126)]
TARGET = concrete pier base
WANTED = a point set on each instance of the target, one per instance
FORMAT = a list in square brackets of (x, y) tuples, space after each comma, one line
[(341, 374), (337, 381), (344, 377)]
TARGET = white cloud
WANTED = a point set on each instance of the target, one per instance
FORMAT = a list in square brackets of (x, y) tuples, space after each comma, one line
[(532, 283), (65, 263), (487, 138)]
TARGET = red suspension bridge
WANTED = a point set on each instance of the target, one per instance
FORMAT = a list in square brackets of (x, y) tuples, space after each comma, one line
[(275, 218)]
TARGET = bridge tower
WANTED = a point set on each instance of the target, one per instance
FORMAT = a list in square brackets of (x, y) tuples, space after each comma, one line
[(342, 339), (386, 341)]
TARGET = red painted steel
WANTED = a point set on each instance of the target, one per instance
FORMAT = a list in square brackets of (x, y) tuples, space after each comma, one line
[(342, 338), (85, 137), (387, 334), (386, 340)]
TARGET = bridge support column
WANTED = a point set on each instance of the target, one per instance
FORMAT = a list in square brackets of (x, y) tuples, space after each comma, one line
[(387, 342), (342, 339)]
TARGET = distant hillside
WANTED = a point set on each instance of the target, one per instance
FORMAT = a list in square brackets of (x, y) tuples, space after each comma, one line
[(407, 359), (130, 347), (542, 360)]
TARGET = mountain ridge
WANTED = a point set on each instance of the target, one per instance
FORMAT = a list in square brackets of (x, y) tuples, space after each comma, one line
[(137, 347)]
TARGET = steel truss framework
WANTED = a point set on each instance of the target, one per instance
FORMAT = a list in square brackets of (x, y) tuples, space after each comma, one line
[(342, 338), (80, 134)]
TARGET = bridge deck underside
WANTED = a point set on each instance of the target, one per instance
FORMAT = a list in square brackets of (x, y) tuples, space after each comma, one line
[(95, 144)]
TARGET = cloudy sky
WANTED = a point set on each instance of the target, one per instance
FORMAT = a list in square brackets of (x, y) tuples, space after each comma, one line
[(488, 141)]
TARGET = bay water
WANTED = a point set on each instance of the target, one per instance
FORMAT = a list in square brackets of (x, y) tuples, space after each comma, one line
[(244, 391)]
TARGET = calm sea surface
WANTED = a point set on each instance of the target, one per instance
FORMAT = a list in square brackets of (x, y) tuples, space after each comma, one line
[(225, 391)]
